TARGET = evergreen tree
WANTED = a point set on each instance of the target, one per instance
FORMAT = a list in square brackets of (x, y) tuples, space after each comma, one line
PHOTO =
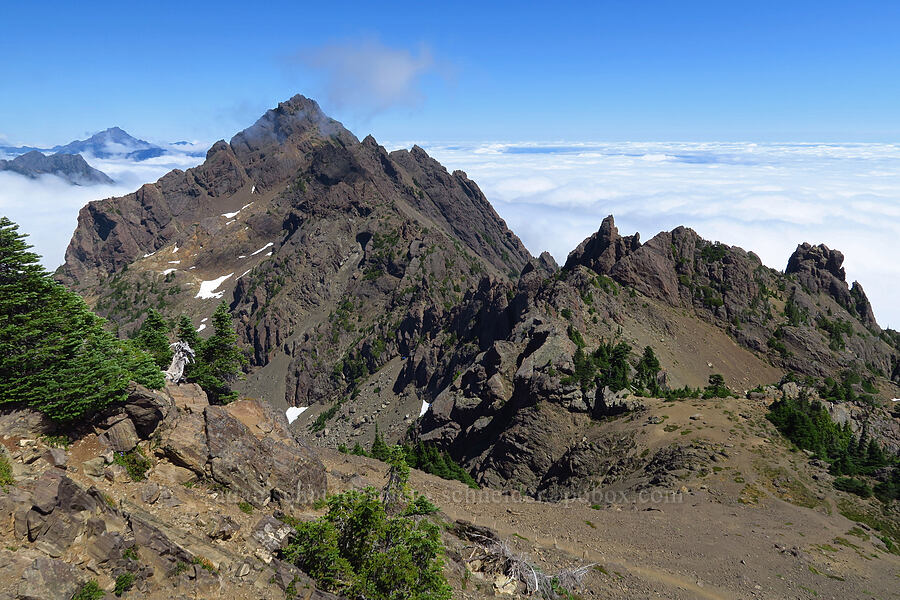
[(55, 354), (153, 336), (646, 372), (219, 359), (187, 333)]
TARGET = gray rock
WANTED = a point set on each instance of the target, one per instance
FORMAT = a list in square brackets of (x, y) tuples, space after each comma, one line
[(56, 457), (95, 467), (48, 579), (121, 436), (150, 492), (223, 529)]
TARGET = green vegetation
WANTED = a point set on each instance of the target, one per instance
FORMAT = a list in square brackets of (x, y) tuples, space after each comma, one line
[(91, 590), (605, 366), (366, 546), (124, 582), (431, 460), (218, 360), (843, 390), (713, 252), (135, 463), (794, 314), (646, 372), (716, 388), (835, 330), (6, 476), (424, 457), (809, 426), (245, 507), (854, 486), (55, 355), (153, 336)]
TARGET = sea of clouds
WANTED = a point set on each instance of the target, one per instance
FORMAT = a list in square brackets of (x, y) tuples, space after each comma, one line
[(46, 208), (763, 197)]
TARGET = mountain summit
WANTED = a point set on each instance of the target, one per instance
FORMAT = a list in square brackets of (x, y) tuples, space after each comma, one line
[(323, 245)]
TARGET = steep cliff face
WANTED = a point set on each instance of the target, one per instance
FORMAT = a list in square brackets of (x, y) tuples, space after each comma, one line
[(321, 244)]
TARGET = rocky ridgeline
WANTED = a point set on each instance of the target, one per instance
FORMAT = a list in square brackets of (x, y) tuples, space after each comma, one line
[(75, 515), (338, 258)]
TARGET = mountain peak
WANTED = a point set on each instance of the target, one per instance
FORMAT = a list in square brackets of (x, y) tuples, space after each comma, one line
[(296, 119)]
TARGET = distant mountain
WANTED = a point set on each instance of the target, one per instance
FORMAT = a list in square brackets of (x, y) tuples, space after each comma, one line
[(114, 142), (111, 143), (71, 167)]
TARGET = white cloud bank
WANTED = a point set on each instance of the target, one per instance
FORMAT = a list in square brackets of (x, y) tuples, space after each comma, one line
[(47, 208), (762, 197)]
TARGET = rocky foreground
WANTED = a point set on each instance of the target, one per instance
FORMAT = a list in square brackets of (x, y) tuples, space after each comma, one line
[(721, 509)]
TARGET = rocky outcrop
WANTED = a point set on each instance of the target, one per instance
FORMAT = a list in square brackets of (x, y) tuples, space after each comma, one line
[(70, 167), (604, 249), (819, 269)]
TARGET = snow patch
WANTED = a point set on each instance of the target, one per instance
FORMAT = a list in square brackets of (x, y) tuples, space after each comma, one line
[(174, 262), (204, 319), (424, 409), (175, 249), (253, 190), (201, 328), (293, 412), (269, 245), (167, 271), (242, 256), (229, 222), (245, 272), (269, 253), (208, 288), (149, 255), (230, 215)]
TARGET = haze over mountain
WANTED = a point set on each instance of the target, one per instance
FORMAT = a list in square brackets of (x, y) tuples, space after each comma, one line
[(70, 167)]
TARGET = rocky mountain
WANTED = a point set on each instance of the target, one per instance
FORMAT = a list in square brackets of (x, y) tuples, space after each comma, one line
[(111, 143), (331, 251), (114, 142), (373, 287), (71, 167), (512, 415)]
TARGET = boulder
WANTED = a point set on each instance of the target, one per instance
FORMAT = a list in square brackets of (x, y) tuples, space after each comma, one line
[(185, 444), (24, 422), (48, 579), (146, 409), (188, 397), (94, 467), (121, 436), (261, 470)]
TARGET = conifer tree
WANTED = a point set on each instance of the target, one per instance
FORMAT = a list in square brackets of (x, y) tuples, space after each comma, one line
[(55, 354), (219, 360), (153, 336)]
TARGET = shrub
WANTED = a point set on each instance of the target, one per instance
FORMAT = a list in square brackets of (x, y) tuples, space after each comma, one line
[(245, 507), (135, 463), (6, 475), (124, 582), (91, 590), (854, 486), (360, 550)]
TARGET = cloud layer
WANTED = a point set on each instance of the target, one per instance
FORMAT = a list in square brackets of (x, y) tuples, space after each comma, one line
[(47, 208), (368, 77), (762, 197)]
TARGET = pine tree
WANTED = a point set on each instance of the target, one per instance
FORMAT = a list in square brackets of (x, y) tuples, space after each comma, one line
[(153, 336), (55, 354), (219, 359), (187, 333)]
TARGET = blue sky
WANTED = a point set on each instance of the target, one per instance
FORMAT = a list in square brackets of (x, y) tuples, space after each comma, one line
[(662, 113), (760, 71)]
